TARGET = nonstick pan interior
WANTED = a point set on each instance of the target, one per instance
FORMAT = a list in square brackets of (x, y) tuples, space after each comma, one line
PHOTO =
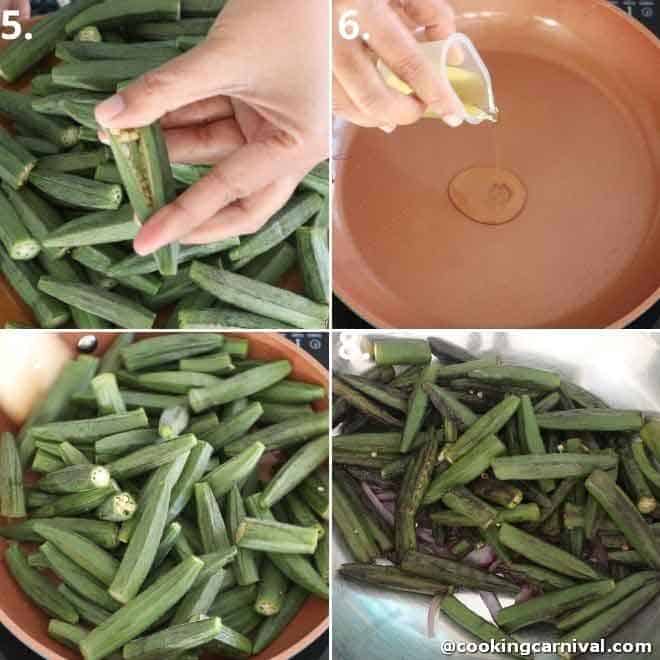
[(578, 87)]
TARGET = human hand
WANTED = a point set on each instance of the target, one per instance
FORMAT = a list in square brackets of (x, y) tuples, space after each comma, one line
[(360, 94), (253, 100), (23, 7)]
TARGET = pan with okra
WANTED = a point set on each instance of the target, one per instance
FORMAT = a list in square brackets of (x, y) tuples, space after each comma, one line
[(458, 471), (155, 517)]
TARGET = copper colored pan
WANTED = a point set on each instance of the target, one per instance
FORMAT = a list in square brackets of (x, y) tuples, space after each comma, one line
[(578, 86)]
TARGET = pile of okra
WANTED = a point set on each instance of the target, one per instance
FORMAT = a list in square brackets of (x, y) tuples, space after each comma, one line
[(454, 471), (71, 205), (153, 508)]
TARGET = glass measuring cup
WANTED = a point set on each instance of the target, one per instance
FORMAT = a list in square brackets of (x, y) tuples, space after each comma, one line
[(467, 74)]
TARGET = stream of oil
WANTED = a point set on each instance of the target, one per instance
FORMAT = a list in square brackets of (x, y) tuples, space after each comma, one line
[(489, 195)]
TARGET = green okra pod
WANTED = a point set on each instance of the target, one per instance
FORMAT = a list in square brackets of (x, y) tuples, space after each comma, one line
[(486, 425), (355, 507), (259, 298), (359, 401), (222, 479), (392, 578), (150, 457), (551, 605), (520, 377), (635, 479), (529, 436), (74, 504), (400, 351), (625, 515), (296, 567), (461, 500), (622, 590), (156, 351), (174, 639), (210, 522), (291, 391), (87, 554), (291, 432), (200, 598), (388, 396), (239, 386), (613, 618), (310, 456), (142, 612), (78, 579), (466, 469), (415, 483), (498, 492), (298, 210), (591, 419), (75, 479), (417, 406), (551, 466), (193, 470), (12, 493), (272, 626), (117, 508), (545, 554), (272, 588), (276, 537), (88, 611), (447, 571), (108, 396), (75, 375), (473, 623), (246, 566), (37, 587), (450, 406)]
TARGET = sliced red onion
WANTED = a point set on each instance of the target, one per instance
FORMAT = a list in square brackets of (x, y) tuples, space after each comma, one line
[(482, 557), (526, 593), (373, 478), (383, 511), (599, 553), (386, 496), (425, 535), (492, 602), (433, 615)]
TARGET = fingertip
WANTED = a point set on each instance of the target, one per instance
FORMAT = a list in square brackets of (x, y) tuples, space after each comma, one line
[(109, 111), (140, 249), (145, 242), (453, 121)]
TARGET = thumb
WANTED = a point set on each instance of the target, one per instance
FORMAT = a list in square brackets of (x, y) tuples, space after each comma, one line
[(191, 77)]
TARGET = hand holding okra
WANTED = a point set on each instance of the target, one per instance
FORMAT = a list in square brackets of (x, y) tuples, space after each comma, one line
[(359, 92), (241, 101)]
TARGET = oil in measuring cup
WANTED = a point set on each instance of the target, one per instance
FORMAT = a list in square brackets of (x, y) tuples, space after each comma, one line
[(466, 72)]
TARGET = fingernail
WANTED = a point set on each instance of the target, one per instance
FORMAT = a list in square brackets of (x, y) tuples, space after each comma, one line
[(387, 128), (452, 120), (110, 109), (144, 242), (143, 251), (103, 137)]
